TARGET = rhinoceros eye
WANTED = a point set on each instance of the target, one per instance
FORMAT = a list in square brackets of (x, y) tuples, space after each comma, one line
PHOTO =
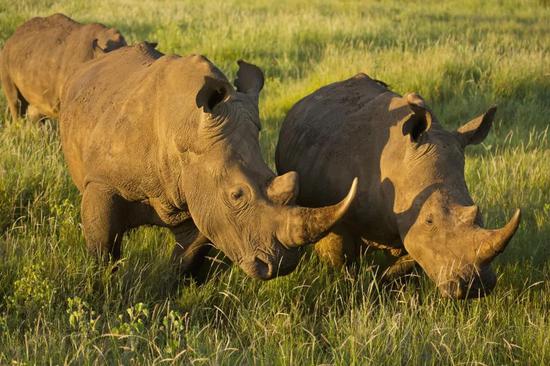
[(238, 197), (237, 194), (429, 220)]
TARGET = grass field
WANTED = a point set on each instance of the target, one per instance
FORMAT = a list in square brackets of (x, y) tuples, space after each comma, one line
[(57, 306)]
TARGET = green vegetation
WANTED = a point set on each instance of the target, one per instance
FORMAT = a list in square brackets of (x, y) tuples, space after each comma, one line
[(57, 306)]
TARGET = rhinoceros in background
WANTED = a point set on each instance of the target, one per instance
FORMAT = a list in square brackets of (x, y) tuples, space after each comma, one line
[(412, 191), (166, 140), (42, 53)]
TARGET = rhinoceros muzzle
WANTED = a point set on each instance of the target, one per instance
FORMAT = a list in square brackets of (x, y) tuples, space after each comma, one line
[(476, 286), (265, 267), (471, 276)]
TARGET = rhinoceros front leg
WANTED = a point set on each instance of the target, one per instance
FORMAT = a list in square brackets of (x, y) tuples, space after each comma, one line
[(191, 248), (393, 262), (103, 220), (403, 266), (338, 247)]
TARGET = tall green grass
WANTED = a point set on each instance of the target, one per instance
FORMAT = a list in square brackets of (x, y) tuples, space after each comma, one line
[(57, 306)]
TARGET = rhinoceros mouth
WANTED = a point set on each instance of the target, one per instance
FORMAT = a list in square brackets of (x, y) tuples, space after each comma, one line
[(477, 285), (265, 266), (259, 268)]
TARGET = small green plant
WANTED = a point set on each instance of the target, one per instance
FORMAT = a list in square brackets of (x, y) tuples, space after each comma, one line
[(133, 322), (82, 318), (3, 324), (173, 329), (130, 328), (32, 291)]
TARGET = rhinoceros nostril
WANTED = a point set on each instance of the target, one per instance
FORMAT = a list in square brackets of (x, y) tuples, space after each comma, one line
[(263, 268)]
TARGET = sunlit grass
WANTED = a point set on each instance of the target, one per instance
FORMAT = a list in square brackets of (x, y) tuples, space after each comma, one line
[(57, 306)]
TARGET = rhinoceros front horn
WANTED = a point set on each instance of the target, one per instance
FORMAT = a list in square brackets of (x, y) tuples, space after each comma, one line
[(300, 225), (496, 240)]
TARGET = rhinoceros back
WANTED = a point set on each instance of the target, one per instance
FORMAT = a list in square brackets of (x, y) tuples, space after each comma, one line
[(320, 133), (42, 53), (33, 57), (121, 115)]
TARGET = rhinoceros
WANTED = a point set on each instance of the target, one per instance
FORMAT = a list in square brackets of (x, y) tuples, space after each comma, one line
[(412, 197), (42, 53), (153, 139)]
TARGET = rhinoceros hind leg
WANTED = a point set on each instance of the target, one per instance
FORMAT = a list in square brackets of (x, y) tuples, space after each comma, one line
[(103, 219), (16, 103), (338, 247), (191, 248), (33, 114)]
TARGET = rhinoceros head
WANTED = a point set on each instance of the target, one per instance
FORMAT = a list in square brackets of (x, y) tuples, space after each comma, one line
[(234, 198), (437, 220), (107, 40)]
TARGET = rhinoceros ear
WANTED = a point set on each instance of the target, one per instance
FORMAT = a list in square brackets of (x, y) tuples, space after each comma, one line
[(477, 129), (213, 92), (96, 48), (250, 79), (151, 45), (420, 120)]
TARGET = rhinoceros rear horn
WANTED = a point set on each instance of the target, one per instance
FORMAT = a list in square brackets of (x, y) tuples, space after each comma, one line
[(300, 225), (496, 240), (284, 189)]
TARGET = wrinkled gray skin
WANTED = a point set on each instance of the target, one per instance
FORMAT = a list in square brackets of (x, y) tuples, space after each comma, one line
[(412, 195), (166, 140), (42, 53)]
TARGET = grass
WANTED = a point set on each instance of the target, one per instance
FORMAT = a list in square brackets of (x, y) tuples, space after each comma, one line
[(57, 306)]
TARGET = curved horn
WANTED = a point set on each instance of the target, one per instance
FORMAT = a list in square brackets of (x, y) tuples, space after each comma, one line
[(496, 240), (302, 225)]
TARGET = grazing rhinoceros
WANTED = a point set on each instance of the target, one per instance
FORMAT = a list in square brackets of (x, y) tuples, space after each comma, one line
[(412, 192), (166, 140), (42, 54)]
